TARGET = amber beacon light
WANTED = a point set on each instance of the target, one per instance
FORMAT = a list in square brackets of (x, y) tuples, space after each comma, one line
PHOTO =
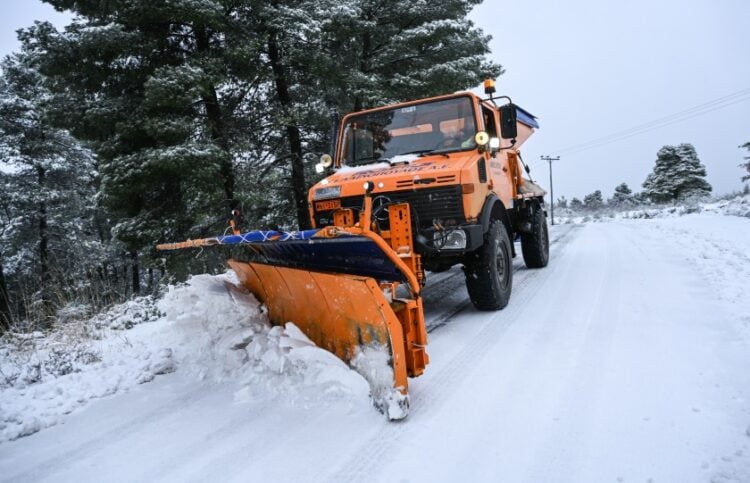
[(489, 86)]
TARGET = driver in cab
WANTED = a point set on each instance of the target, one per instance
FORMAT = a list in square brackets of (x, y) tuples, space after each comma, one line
[(456, 136)]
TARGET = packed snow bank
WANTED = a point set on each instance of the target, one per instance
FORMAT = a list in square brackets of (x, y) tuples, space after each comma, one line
[(736, 206), (207, 329), (717, 248)]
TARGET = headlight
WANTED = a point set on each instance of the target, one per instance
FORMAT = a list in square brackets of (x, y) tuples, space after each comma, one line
[(452, 240), (327, 193)]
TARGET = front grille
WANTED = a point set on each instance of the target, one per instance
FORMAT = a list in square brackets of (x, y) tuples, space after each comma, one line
[(482, 170), (446, 179), (409, 183), (443, 203)]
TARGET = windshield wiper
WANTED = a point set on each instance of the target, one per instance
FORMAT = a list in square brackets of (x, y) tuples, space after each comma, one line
[(369, 160), (424, 152)]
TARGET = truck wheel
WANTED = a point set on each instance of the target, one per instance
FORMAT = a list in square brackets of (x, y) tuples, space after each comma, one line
[(535, 244), (489, 270)]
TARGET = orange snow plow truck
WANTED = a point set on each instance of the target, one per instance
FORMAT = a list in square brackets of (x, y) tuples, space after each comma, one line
[(412, 187)]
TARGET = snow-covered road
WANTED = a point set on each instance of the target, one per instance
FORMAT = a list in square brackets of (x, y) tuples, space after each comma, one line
[(627, 359)]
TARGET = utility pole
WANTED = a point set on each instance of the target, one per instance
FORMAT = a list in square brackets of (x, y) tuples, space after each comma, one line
[(551, 191)]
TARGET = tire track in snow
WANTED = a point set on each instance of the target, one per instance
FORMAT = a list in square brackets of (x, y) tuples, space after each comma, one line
[(169, 467), (452, 286), (589, 340), (213, 453), (369, 456), (49, 468)]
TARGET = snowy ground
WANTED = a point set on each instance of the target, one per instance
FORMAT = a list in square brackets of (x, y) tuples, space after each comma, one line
[(624, 360)]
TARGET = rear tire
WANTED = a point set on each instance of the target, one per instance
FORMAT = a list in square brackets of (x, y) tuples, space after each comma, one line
[(489, 270), (535, 244)]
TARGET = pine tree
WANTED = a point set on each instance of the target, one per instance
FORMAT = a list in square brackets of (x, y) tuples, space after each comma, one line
[(47, 189), (345, 56), (678, 175), (162, 91), (379, 51), (185, 84), (576, 204), (173, 96), (593, 201), (746, 164), (623, 196), (562, 202), (6, 225)]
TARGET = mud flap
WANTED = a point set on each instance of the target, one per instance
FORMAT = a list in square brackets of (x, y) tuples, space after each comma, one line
[(345, 314)]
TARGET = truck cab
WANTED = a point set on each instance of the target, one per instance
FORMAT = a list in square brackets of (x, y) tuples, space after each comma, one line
[(455, 159)]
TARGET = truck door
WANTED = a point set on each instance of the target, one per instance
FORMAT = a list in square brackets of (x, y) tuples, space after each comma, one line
[(498, 162)]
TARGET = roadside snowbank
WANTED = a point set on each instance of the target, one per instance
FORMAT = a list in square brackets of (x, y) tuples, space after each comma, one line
[(719, 250), (737, 206), (207, 329)]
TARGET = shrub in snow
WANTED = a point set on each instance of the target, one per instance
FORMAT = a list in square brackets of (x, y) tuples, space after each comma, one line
[(129, 314), (61, 361), (622, 197)]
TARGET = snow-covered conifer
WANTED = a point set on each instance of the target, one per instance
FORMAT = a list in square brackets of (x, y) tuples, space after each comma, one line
[(746, 164), (678, 175), (160, 92), (622, 197), (593, 201), (47, 227), (395, 50)]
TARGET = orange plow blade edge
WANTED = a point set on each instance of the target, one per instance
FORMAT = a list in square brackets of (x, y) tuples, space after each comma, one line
[(344, 314)]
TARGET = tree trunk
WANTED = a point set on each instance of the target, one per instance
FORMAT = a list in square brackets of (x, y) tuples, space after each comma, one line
[(4, 304), (43, 246), (364, 62), (135, 272), (126, 286), (215, 119), (298, 184)]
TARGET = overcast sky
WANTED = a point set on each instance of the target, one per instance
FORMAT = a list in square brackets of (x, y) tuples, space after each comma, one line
[(18, 14), (592, 68)]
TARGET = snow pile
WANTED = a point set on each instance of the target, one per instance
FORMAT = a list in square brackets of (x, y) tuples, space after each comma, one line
[(363, 168), (208, 329), (404, 158), (373, 363), (129, 314), (703, 240), (737, 206)]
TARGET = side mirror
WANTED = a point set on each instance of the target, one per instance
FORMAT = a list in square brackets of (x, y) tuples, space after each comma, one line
[(508, 127)]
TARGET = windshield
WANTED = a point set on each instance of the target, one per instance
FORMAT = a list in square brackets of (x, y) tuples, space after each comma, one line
[(438, 126)]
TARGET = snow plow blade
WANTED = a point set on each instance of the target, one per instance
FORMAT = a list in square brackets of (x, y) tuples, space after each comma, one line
[(333, 284)]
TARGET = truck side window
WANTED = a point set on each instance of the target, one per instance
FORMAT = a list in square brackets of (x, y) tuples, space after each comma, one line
[(489, 122)]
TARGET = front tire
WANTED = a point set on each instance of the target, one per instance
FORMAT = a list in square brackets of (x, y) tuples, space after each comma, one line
[(489, 270), (535, 244)]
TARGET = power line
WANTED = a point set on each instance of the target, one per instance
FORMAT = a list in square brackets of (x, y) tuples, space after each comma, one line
[(713, 105), (667, 120), (728, 100)]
